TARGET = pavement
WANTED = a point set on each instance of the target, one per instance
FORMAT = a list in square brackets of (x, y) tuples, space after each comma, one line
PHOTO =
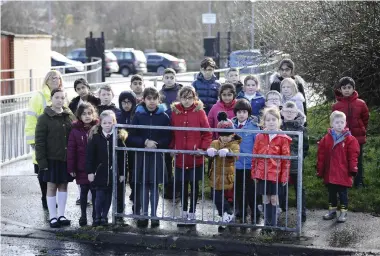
[(22, 217)]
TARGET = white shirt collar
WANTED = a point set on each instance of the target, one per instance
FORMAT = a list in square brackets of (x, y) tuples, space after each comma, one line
[(243, 123), (105, 134)]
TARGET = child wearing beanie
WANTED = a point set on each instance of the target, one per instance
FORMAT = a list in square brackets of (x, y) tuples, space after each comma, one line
[(223, 166)]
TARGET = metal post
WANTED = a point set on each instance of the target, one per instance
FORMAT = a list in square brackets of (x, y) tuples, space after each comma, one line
[(114, 175), (31, 79), (299, 184)]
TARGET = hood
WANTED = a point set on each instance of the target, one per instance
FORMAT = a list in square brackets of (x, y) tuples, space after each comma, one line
[(52, 113), (97, 129), (131, 96), (236, 140), (203, 80), (346, 132), (141, 108), (176, 86), (178, 108), (251, 119), (276, 78), (339, 96), (297, 97), (80, 125)]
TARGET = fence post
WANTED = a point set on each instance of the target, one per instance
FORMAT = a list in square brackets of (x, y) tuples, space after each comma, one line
[(155, 82), (299, 184), (114, 175), (31, 79)]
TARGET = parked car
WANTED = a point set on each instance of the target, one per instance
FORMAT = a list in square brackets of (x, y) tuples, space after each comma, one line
[(158, 62), (243, 58), (58, 59), (130, 61), (111, 65)]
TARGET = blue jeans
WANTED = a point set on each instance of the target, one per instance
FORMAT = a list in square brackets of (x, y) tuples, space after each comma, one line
[(335, 190), (103, 202)]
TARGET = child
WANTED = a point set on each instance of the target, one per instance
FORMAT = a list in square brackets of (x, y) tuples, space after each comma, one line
[(189, 168), (286, 70), (82, 87), (148, 171), (251, 93), (338, 153), (223, 166), (273, 99), (245, 187), (357, 114), (76, 155), (206, 85), (233, 77), (106, 95), (52, 130), (290, 92), (226, 103), (290, 122), (99, 163), (271, 174), (168, 95), (138, 86)]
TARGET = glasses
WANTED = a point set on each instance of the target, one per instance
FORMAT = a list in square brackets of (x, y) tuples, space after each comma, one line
[(273, 99), (126, 103), (285, 69), (289, 112), (187, 98), (137, 83)]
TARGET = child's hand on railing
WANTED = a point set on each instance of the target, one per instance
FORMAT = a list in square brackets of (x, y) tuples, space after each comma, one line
[(150, 144), (121, 179), (223, 152), (211, 152), (91, 177), (73, 174)]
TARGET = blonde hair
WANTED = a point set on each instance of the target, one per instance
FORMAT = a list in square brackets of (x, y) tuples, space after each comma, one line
[(337, 114), (291, 82), (107, 88), (107, 113), (50, 74), (253, 78), (271, 111), (273, 92)]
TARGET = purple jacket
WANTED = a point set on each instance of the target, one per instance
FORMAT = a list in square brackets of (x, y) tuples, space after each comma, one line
[(76, 151)]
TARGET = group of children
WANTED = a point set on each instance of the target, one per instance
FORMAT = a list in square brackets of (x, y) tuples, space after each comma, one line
[(259, 182)]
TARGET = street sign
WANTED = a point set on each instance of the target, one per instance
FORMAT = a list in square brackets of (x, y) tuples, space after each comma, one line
[(208, 18)]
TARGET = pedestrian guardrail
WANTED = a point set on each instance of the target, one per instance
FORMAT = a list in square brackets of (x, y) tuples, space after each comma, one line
[(170, 209)]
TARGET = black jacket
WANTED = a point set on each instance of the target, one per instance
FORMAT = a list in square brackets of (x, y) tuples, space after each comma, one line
[(99, 157), (238, 87), (112, 107), (73, 106)]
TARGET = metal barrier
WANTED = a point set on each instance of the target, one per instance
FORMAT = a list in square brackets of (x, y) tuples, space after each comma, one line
[(207, 214)]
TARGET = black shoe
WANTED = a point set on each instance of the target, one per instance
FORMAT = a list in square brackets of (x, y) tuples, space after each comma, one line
[(142, 223), (63, 221), (303, 217), (104, 222), (54, 224), (96, 223), (77, 202), (44, 203), (154, 223), (82, 221)]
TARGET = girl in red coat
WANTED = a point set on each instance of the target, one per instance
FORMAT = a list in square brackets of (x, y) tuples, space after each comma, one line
[(189, 168), (76, 155), (338, 153), (270, 174)]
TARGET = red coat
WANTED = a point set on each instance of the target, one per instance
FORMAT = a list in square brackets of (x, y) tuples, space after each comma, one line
[(356, 112), (337, 163), (76, 151), (277, 169), (194, 116), (218, 107)]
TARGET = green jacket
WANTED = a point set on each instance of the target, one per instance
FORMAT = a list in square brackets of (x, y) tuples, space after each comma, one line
[(52, 134)]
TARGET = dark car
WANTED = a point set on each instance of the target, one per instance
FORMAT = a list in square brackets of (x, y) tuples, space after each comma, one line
[(158, 62), (110, 59), (64, 64), (130, 61)]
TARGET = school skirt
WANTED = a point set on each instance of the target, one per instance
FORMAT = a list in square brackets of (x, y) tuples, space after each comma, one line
[(56, 172)]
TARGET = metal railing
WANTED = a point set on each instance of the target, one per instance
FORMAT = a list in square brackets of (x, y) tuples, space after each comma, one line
[(168, 209)]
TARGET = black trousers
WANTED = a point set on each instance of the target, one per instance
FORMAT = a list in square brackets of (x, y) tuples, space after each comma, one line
[(337, 190), (84, 188), (194, 190), (245, 193), (43, 185), (284, 195), (359, 178)]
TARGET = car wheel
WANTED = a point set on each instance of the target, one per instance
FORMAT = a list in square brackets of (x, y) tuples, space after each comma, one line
[(160, 70), (125, 71)]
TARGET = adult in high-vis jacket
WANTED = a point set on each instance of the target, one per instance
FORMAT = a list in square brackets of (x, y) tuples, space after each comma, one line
[(39, 101)]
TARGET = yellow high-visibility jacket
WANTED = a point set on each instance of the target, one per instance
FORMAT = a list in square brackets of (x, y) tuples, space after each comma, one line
[(37, 104)]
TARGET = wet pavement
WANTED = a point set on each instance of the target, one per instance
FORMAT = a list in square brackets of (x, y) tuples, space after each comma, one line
[(23, 218)]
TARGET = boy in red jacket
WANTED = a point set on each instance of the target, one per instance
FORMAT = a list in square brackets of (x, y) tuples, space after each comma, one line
[(338, 153), (357, 114)]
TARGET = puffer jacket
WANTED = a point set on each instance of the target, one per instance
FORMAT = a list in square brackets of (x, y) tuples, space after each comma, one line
[(196, 117), (219, 107), (112, 107), (257, 103), (52, 134), (296, 125), (99, 156), (169, 95), (357, 114), (277, 169), (275, 81), (207, 90), (76, 150), (338, 160), (218, 176), (298, 99), (248, 140)]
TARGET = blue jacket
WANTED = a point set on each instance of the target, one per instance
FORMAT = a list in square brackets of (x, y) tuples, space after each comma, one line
[(169, 95), (153, 161), (207, 90), (248, 140), (257, 103)]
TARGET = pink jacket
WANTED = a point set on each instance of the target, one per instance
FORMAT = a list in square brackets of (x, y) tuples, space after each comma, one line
[(218, 107)]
